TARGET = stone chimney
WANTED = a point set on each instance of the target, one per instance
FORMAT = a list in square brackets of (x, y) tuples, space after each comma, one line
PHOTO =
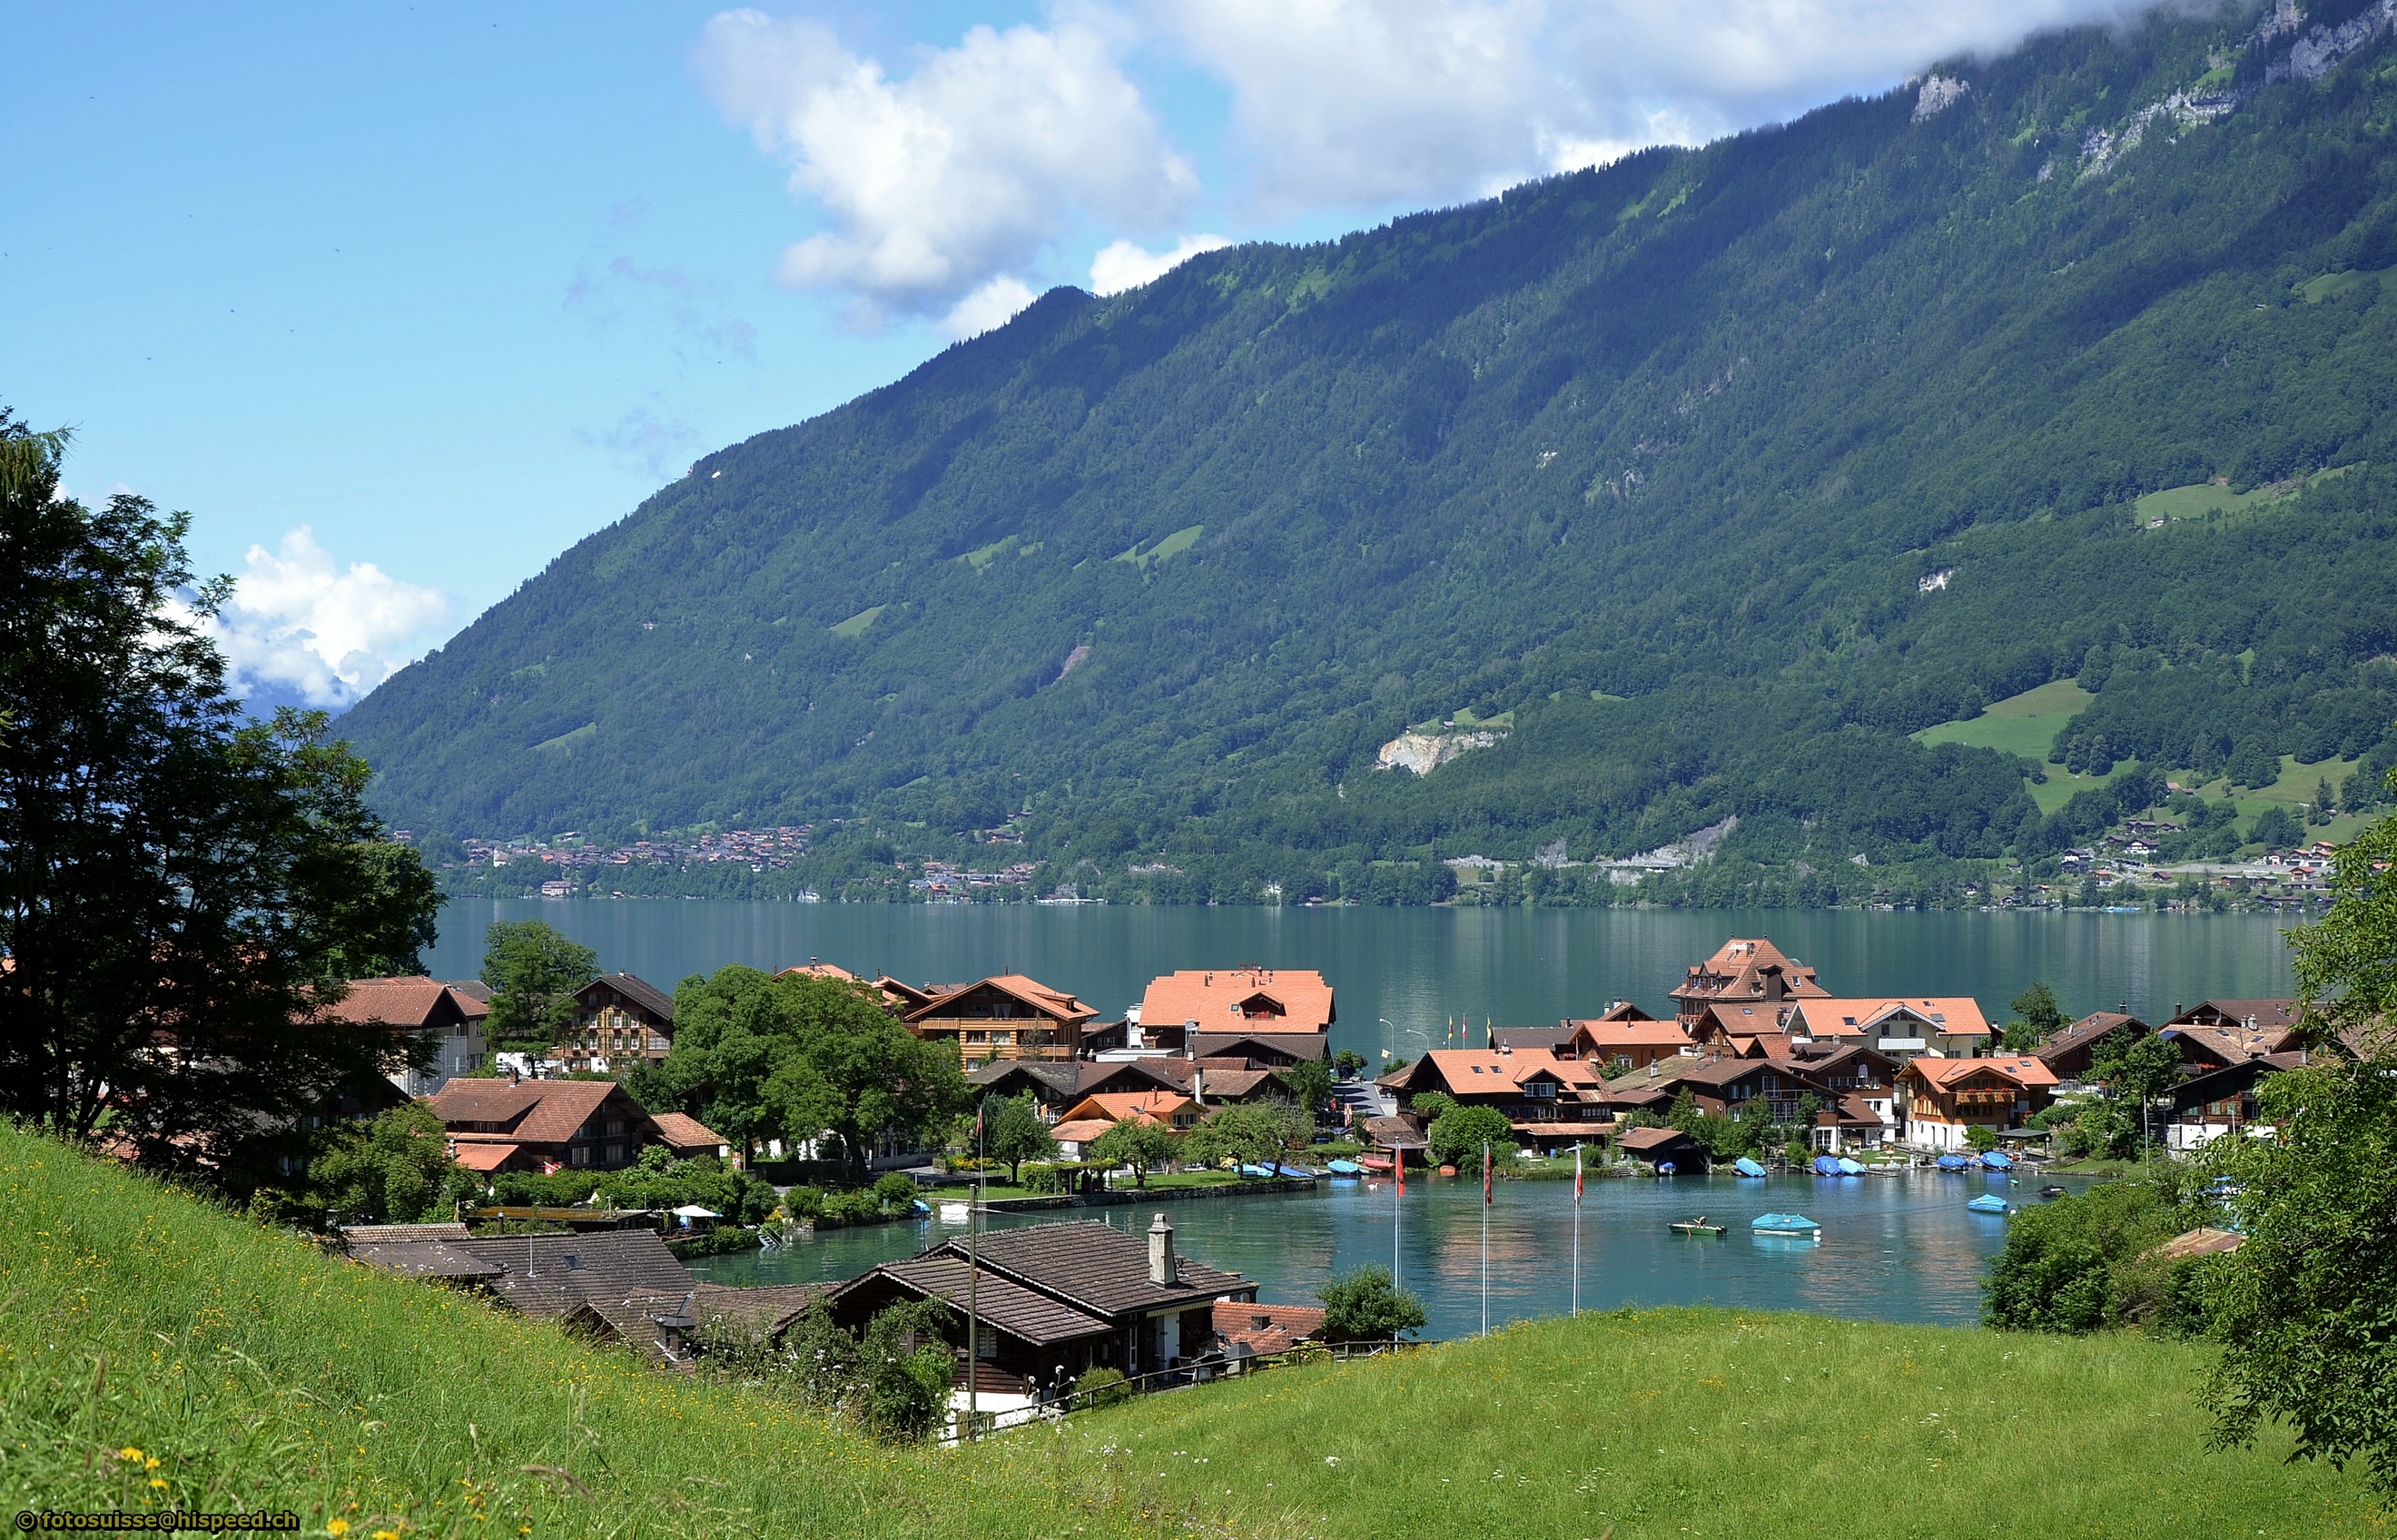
[(1162, 1269)]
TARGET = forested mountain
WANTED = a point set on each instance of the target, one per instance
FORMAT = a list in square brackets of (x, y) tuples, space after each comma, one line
[(1708, 475)]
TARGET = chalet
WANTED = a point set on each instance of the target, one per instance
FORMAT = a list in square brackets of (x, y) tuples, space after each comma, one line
[(1252, 1330), (889, 994), (553, 1125), (441, 1017), (1237, 1082), (1005, 1016), (688, 1139), (1863, 1086), (2216, 1101), (1726, 1088), (620, 1020), (1728, 1030), (1550, 1100), (1662, 1147), (2072, 1053), (1082, 1123), (675, 1329), (1746, 970), (547, 1277), (1277, 1001), (2217, 1034), (1260, 1050), (1628, 1035), (1945, 1026), (1541, 1039), (1053, 1301), (1943, 1099)]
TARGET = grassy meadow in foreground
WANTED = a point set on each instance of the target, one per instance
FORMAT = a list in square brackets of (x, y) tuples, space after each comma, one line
[(156, 1353), (1674, 1422)]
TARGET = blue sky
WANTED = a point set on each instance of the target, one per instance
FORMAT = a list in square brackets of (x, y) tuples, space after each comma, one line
[(401, 301)]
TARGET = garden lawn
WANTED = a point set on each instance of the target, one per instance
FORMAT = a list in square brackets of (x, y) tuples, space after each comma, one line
[(158, 1353), (1692, 1423)]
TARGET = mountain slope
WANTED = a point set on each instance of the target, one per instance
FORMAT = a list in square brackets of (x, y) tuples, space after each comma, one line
[(1699, 431)]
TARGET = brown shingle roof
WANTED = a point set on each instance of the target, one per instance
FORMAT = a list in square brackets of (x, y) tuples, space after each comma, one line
[(683, 1132), (1019, 1311), (370, 1234), (412, 1003), (1229, 1045), (2088, 1029), (538, 1112), (639, 990), (1055, 1004), (537, 1280), (423, 1258), (763, 1313), (1267, 1328), (1097, 1268)]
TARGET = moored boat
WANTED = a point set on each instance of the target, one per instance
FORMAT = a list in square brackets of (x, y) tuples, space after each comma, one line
[(1988, 1202), (1345, 1168), (2051, 1191), (1696, 1226), (1785, 1223), (1850, 1168), (1746, 1167), (1954, 1162)]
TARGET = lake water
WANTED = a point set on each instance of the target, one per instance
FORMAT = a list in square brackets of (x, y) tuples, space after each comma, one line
[(1892, 1248), (1403, 975)]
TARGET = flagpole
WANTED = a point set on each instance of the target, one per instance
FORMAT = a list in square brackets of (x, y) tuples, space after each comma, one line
[(1576, 1229), (1485, 1237), (973, 1280)]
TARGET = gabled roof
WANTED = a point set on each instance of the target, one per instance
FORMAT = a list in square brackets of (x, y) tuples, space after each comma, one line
[(1741, 968), (1267, 1328), (538, 1112), (1094, 1267), (423, 1258), (1294, 999), (404, 1002), (2213, 1085), (1607, 1032), (640, 991), (1467, 1070), (1864, 1016), (1080, 1130), (1023, 1313), (377, 1235), (1637, 1140), (1013, 1077), (1229, 1085), (1150, 1106), (548, 1275), (2094, 1028), (484, 1155), (682, 1131), (2023, 1069), (1717, 1073), (1053, 1003), (1227, 1045), (2264, 1013), (761, 1313), (1547, 1040), (2231, 1045)]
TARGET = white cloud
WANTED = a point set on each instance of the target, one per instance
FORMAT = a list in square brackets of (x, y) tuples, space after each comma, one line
[(987, 308), (1356, 103), (937, 184), (1121, 264), (297, 625)]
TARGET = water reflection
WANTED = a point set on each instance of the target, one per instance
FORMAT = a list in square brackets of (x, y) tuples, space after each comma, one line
[(1892, 1248)]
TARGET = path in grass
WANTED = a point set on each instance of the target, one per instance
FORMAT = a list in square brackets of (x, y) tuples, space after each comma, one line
[(1692, 1423)]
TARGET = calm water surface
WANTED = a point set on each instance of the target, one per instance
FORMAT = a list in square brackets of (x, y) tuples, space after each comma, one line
[(1419, 969), (1893, 1248)]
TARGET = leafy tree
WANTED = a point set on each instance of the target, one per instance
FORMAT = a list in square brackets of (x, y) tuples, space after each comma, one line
[(385, 915), (395, 1170), (2277, 828), (2302, 1308), (891, 1380), (1980, 1137), (2134, 1072), (1364, 1305), (1432, 1104), (1457, 1136), (1251, 1133), (1683, 1114), (1136, 1143), (534, 972), (1012, 1131), (2037, 1018), (2059, 1271), (168, 876), (1348, 1063), (1310, 1082), (894, 1190)]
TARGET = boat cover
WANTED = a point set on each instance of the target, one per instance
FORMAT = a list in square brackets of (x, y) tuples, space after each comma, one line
[(1850, 1168), (1988, 1202), (1954, 1162), (1996, 1161), (1826, 1165), (1784, 1222), (1746, 1167)]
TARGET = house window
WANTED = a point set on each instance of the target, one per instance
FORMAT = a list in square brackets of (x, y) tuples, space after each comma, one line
[(581, 1156), (615, 1154)]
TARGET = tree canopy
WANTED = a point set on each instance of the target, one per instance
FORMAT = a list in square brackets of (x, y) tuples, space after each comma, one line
[(1363, 1304), (534, 972), (180, 891)]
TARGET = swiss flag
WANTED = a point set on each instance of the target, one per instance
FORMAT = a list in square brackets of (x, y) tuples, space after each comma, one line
[(550, 1167)]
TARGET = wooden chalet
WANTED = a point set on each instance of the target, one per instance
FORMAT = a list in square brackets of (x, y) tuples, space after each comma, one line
[(1729, 1029), (1945, 1026), (1628, 1034), (1943, 1099), (620, 1020), (1551, 1101), (1082, 1123), (1744, 971), (1052, 1301), (2217, 1034), (1662, 1147), (1005, 1016), (2216, 1101), (2072, 1053), (444, 1019), (1260, 1050), (554, 1125)]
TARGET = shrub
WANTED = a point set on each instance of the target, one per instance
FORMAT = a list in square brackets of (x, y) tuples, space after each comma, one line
[(1101, 1386), (1365, 1305), (803, 1202), (2085, 1261), (860, 1206), (1981, 1137), (894, 1190), (1456, 1136)]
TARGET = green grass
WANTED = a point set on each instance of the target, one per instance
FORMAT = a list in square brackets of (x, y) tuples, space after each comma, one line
[(1668, 1424), (856, 624), (2205, 499), (2025, 724), (1165, 550), (259, 1374), (2332, 285)]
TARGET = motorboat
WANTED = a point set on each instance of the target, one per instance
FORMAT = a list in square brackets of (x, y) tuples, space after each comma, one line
[(2051, 1192), (1850, 1168), (1700, 1225), (1746, 1167), (1826, 1165), (1998, 1160), (1954, 1162), (1988, 1202), (1345, 1168), (1786, 1224)]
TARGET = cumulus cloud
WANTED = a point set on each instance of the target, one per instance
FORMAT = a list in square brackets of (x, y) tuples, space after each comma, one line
[(987, 308), (1362, 103), (299, 626), (937, 184), (1121, 264)]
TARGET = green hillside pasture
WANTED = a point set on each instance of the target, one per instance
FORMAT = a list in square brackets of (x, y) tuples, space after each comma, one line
[(1666, 1424), (156, 1353), (2205, 499), (2025, 724)]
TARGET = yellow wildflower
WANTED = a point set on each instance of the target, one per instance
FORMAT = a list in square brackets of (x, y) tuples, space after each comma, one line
[(128, 1452), (338, 1527)]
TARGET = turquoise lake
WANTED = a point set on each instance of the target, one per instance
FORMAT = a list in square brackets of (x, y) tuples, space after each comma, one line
[(1892, 1248)]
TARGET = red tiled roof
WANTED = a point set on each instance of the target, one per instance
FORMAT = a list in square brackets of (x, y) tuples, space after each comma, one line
[(1736, 971), (1604, 1033), (2023, 1069), (477, 1155), (415, 1002), (1240, 999), (1267, 1328), (536, 1112), (1053, 1003), (682, 1131), (1954, 1015), (1153, 1106)]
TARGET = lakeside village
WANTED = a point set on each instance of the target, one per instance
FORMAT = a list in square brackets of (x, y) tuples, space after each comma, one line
[(1222, 1081)]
